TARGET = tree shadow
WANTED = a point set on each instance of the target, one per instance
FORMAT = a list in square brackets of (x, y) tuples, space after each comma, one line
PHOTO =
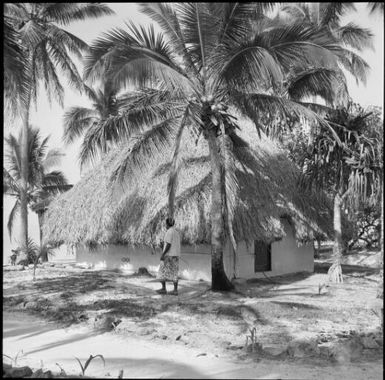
[(26, 332), (286, 279), (153, 368), (75, 338), (347, 269), (296, 305)]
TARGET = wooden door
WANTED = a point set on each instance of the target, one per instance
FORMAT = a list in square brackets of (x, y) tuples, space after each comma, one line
[(262, 256)]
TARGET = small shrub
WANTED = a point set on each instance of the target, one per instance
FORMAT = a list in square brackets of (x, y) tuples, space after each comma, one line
[(87, 363)]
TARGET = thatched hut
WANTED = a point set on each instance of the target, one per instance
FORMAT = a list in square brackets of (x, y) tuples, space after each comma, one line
[(274, 223)]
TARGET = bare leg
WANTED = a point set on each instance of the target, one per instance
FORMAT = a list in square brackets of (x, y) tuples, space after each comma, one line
[(175, 291), (163, 290)]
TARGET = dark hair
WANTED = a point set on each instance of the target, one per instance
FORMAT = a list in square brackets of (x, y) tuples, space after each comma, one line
[(170, 222)]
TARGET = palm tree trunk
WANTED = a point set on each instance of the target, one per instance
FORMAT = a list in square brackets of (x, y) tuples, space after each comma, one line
[(219, 280), (380, 290), (335, 271), (24, 180), (43, 255)]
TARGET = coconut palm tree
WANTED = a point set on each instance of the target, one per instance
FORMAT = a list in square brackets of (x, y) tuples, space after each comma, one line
[(210, 64), (47, 48), (350, 171), (82, 121), (42, 181)]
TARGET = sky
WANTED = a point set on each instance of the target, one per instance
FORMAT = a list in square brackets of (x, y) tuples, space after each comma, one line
[(49, 118)]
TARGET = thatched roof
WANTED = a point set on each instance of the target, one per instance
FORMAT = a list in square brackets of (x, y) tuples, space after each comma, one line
[(93, 211)]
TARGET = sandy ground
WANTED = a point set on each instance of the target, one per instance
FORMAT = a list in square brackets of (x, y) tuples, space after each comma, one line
[(44, 345), (68, 312)]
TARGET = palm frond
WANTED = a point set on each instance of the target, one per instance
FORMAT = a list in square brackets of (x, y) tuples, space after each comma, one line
[(55, 178), (65, 13), (356, 37), (50, 190), (320, 109), (74, 44), (52, 158), (32, 33), (294, 10), (145, 72), (136, 56), (76, 121), (91, 93), (46, 72), (10, 184), (332, 12), (60, 58), (166, 17), (257, 68), (15, 11), (137, 112), (15, 70), (199, 27), (14, 156), (274, 50), (251, 104), (145, 150), (354, 64), (147, 61), (237, 18), (155, 103), (328, 84), (376, 7)]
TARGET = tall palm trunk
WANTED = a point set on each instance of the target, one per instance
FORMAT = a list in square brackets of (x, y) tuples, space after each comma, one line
[(380, 290), (43, 252), (219, 280), (335, 272), (24, 178)]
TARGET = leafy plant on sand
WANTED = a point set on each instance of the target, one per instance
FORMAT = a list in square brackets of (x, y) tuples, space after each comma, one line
[(253, 340), (88, 361), (210, 64), (15, 358)]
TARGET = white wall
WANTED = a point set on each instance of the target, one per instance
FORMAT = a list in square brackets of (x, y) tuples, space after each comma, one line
[(117, 256), (286, 257), (63, 254), (195, 262)]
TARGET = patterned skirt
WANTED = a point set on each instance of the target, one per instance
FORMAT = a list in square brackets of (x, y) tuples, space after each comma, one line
[(168, 269)]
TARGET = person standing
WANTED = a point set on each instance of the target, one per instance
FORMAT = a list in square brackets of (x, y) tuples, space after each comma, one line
[(169, 261)]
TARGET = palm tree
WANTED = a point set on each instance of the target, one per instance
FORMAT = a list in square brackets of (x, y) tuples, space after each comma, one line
[(43, 182), (351, 172), (210, 64), (46, 47), (83, 121)]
